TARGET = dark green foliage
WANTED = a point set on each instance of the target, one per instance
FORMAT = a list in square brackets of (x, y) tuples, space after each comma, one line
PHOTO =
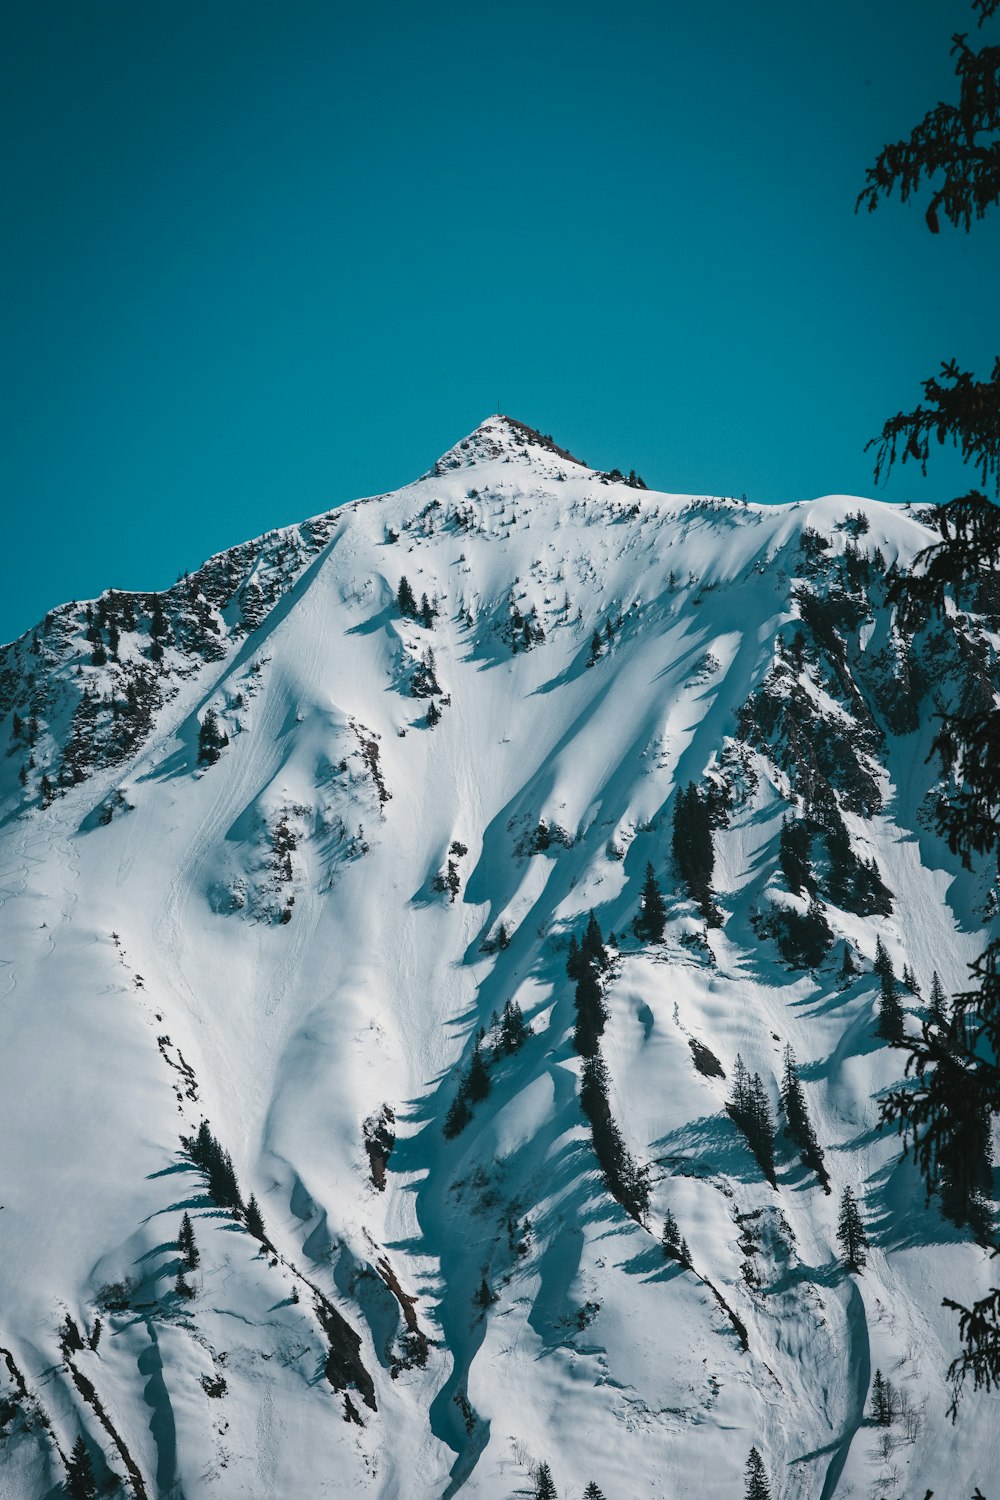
[(757, 1486), (800, 1128), (211, 739), (851, 1233), (957, 1077), (80, 1481), (484, 1297), (848, 968), (590, 1011), (594, 1491), (694, 855), (186, 1245), (544, 1484), (207, 1154), (627, 1183), (804, 938), (882, 1402), (433, 714), (890, 1012), (458, 1116), (405, 602), (596, 648), (938, 1010), (426, 613), (424, 683), (253, 1220), (853, 883), (750, 1111), (593, 943), (477, 1083), (514, 1031), (181, 1285), (674, 1246), (794, 848), (651, 922)]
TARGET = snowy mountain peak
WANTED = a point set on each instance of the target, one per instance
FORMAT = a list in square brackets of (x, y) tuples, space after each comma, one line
[(391, 910), (501, 437)]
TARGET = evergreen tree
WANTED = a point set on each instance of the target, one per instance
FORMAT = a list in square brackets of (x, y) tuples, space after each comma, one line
[(955, 1071), (513, 1030), (670, 1239), (851, 1233), (181, 1286), (253, 1220), (477, 1083), (426, 613), (593, 943), (693, 852), (186, 1244), (405, 602), (757, 1486), (80, 1481), (590, 1012), (593, 1492), (890, 1012), (651, 922), (848, 968), (800, 1126), (459, 1114), (544, 1485), (750, 1111), (595, 648), (938, 1004), (433, 714), (211, 739), (881, 1401)]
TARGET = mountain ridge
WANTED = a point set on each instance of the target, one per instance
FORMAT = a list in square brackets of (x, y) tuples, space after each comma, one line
[(274, 930)]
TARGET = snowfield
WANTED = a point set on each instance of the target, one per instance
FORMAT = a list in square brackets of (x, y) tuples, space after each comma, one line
[(262, 941)]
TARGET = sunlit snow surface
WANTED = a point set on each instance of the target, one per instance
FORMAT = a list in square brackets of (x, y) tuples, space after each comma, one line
[(597, 1355)]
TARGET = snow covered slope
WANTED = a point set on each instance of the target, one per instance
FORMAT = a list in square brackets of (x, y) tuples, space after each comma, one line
[(247, 879)]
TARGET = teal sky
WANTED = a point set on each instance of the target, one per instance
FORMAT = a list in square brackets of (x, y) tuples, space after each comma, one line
[(261, 258)]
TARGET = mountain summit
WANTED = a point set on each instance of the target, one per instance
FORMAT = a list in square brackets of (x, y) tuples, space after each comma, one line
[(451, 952)]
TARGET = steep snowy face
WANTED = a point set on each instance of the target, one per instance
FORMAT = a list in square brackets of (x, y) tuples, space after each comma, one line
[(350, 1156)]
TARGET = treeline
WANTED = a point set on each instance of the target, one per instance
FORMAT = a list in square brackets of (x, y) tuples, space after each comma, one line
[(206, 1152), (508, 1033)]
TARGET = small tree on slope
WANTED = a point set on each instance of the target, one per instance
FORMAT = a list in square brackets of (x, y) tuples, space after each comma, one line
[(757, 1486), (80, 1482), (652, 919), (544, 1485), (851, 1233)]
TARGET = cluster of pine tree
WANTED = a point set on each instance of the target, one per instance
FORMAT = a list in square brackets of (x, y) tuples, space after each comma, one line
[(883, 1401), (211, 739), (804, 938), (794, 849), (408, 607), (800, 1127), (627, 1182), (694, 855), (545, 1487), (424, 683), (524, 631), (673, 1244), (205, 1151), (750, 1111), (853, 883), (509, 1033)]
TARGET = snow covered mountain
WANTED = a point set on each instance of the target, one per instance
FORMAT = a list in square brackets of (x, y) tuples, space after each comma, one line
[(280, 857)]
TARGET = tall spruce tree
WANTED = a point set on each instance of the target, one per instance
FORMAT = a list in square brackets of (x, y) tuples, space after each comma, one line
[(851, 1233), (186, 1244), (405, 601), (692, 848), (545, 1488), (757, 1485), (882, 1402), (800, 1126), (938, 1008), (890, 1012), (651, 922), (80, 1481)]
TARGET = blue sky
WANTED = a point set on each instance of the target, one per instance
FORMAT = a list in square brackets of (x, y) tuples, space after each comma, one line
[(262, 258)]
